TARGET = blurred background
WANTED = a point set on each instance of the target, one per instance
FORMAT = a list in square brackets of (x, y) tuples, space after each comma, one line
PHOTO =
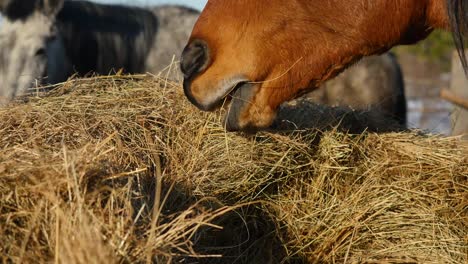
[(426, 68), (199, 4)]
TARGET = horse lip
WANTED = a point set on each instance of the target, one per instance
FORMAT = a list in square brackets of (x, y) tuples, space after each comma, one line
[(190, 97), (229, 89), (240, 93), (241, 96)]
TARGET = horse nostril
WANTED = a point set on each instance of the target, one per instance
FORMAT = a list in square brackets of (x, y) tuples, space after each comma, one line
[(40, 52), (194, 59)]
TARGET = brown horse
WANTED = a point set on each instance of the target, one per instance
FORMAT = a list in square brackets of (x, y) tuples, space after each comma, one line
[(262, 53)]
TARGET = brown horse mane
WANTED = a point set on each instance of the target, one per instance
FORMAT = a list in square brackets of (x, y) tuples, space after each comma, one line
[(458, 16)]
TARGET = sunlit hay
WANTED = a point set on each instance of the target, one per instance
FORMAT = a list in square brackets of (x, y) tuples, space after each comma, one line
[(124, 169)]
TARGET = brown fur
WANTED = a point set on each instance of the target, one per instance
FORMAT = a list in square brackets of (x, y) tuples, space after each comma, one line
[(290, 47)]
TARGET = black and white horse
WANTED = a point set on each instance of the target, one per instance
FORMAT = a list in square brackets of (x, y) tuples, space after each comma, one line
[(47, 41)]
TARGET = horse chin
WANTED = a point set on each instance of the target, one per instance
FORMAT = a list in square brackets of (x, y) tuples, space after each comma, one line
[(241, 98)]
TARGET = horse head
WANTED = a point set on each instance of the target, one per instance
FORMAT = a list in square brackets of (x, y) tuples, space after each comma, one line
[(259, 54), (28, 41)]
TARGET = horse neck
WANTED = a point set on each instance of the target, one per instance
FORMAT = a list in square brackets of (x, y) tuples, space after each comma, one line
[(59, 67), (100, 38), (437, 15), (412, 21)]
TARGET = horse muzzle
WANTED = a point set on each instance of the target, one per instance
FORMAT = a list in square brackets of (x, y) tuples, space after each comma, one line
[(237, 97), (206, 91)]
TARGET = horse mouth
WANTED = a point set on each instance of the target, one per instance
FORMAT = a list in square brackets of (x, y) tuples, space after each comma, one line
[(238, 101), (237, 96), (231, 96)]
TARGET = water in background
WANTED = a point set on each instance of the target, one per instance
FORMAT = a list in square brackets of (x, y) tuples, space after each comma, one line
[(426, 110), (431, 115), (198, 4)]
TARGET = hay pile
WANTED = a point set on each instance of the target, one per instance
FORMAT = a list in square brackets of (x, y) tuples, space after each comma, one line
[(125, 170)]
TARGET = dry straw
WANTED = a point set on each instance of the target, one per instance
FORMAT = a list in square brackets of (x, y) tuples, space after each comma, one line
[(124, 170)]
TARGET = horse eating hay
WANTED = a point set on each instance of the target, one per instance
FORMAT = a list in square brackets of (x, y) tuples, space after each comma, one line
[(272, 51), (47, 41)]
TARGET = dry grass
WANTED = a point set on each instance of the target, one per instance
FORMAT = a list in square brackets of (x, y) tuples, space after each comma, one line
[(125, 170)]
